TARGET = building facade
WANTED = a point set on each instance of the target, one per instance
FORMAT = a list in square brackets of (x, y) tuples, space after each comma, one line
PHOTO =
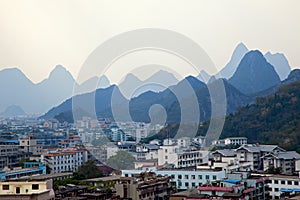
[(183, 178), (180, 158), (67, 160), (26, 190)]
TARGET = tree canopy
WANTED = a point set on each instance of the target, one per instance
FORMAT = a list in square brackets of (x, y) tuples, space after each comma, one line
[(123, 160)]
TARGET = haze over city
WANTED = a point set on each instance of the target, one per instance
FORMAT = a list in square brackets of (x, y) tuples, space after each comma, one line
[(38, 35), (149, 100)]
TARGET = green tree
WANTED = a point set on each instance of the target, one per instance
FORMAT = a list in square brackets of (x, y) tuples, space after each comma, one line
[(88, 170), (123, 160)]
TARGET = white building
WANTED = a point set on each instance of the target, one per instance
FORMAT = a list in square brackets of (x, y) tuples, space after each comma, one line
[(155, 141), (64, 160), (200, 140), (184, 179), (182, 142), (280, 184), (149, 151), (235, 141), (231, 141), (179, 158)]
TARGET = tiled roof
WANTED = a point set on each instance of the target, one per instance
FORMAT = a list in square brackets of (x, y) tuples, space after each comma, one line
[(258, 148), (226, 152)]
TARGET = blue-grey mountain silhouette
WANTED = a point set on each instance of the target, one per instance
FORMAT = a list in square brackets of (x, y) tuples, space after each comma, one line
[(17, 89), (132, 86), (280, 63), (13, 111), (229, 69), (254, 74)]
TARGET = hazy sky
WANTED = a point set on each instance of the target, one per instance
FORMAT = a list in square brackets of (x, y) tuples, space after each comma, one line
[(37, 35)]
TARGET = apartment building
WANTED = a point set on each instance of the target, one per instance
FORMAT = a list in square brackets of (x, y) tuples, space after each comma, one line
[(231, 141), (285, 161), (146, 151), (64, 160), (281, 185), (183, 178), (181, 157), (237, 186), (227, 159), (254, 153)]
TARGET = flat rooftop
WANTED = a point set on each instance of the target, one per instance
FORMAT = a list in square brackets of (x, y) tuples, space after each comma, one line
[(47, 176)]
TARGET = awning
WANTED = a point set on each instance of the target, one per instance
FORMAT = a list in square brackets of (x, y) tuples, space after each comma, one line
[(296, 189), (286, 190), (231, 181)]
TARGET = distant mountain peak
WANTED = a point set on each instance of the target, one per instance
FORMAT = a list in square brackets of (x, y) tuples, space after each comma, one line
[(237, 55), (242, 46), (280, 63), (164, 77), (13, 111), (254, 74), (15, 72), (60, 71)]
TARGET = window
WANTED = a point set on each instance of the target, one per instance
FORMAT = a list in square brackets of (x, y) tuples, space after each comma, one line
[(35, 186), (282, 182), (186, 184), (276, 190), (275, 181), (289, 182), (186, 176), (207, 177), (18, 190), (179, 176), (166, 157), (5, 187), (199, 177), (193, 177), (193, 184), (214, 177), (296, 183)]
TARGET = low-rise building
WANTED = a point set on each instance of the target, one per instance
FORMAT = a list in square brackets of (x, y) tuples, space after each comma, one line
[(183, 178), (231, 141), (144, 186), (237, 186), (284, 161), (254, 153), (26, 190), (280, 185), (181, 157), (64, 160), (235, 141)]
